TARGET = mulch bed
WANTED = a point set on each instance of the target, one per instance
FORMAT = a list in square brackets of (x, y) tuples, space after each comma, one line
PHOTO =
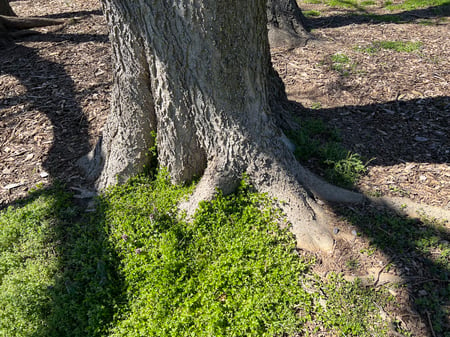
[(54, 97), (392, 107)]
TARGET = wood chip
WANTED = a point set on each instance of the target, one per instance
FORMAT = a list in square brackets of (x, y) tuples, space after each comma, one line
[(12, 186)]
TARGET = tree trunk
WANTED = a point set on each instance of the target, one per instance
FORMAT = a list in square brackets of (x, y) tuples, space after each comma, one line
[(286, 24), (5, 8), (196, 73)]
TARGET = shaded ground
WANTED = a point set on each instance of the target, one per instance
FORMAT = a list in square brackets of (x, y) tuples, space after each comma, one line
[(392, 107), (54, 94)]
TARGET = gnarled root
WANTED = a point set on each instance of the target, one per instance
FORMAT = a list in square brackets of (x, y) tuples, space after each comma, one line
[(308, 220), (325, 191)]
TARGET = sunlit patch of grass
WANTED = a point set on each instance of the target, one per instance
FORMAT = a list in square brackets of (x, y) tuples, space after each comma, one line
[(314, 2), (408, 5), (342, 3), (347, 4), (311, 13), (231, 272), (341, 63), (340, 58), (316, 105), (368, 3), (398, 46)]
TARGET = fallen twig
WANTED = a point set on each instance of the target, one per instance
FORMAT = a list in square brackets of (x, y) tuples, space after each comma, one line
[(431, 325)]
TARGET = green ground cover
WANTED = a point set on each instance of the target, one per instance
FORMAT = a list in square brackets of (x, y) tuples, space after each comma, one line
[(135, 267)]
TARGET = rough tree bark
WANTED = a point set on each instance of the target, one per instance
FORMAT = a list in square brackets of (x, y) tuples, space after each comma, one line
[(197, 73), (5, 8), (286, 24)]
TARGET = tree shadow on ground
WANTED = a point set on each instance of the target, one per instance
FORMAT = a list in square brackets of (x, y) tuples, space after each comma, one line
[(73, 14), (419, 249), (47, 90), (362, 16), (418, 252), (81, 299), (50, 90), (80, 288), (64, 37), (393, 132)]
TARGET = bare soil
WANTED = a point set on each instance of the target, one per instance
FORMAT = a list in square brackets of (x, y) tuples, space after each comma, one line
[(391, 107)]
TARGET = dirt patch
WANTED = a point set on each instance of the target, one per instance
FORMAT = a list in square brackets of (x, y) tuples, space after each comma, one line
[(54, 94)]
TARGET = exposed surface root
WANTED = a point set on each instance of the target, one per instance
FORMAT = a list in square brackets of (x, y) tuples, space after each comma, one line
[(8, 23), (324, 190), (308, 221), (307, 218), (213, 179)]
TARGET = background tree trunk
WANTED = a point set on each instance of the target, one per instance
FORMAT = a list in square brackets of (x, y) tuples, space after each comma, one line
[(286, 24), (5, 8), (198, 74)]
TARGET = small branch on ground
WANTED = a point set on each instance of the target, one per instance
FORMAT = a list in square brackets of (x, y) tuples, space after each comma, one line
[(12, 23), (431, 324)]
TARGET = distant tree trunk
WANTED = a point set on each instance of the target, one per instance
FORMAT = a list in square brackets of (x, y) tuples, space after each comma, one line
[(197, 73), (5, 8), (286, 24)]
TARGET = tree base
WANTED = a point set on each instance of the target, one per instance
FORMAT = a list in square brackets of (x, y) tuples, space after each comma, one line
[(286, 24), (284, 39), (296, 191)]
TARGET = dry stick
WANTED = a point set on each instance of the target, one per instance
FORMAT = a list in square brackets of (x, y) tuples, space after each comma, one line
[(380, 271), (430, 280), (431, 325)]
